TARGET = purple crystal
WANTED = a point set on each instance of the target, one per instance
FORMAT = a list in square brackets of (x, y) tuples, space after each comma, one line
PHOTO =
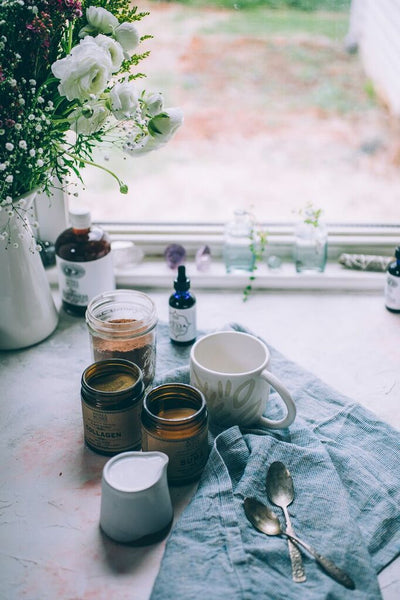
[(175, 255), (203, 258)]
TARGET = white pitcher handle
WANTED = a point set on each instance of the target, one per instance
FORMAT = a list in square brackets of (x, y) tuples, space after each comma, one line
[(286, 397)]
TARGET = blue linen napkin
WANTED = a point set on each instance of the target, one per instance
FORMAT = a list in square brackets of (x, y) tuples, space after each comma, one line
[(346, 470)]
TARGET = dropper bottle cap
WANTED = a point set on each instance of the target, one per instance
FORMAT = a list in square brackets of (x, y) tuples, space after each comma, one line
[(182, 283)]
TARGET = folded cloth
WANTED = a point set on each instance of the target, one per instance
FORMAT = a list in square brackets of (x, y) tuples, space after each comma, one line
[(345, 464)]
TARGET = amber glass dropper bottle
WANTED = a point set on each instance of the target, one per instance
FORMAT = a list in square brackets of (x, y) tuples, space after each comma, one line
[(392, 286), (84, 263)]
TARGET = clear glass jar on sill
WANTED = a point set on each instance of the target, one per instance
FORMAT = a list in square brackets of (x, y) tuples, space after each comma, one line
[(238, 255), (310, 247), (122, 324)]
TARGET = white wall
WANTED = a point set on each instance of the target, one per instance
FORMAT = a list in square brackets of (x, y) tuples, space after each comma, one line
[(376, 26)]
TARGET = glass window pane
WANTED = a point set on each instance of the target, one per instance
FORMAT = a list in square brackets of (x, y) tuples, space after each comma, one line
[(278, 113)]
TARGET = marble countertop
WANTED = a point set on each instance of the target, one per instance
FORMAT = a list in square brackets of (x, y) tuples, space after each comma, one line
[(51, 545)]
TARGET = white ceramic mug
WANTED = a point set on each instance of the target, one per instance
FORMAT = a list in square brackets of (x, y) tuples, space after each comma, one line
[(231, 369)]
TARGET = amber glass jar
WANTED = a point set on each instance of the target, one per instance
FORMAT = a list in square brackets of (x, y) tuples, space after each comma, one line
[(122, 324), (112, 396), (175, 421)]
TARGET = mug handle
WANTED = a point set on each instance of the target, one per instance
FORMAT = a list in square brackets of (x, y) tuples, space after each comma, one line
[(286, 397)]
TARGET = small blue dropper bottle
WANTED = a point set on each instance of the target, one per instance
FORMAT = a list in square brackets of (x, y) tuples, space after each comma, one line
[(182, 311)]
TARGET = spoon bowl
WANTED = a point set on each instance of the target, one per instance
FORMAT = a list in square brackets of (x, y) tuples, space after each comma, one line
[(261, 517)]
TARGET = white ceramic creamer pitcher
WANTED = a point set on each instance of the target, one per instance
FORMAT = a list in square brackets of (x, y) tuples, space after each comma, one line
[(135, 499)]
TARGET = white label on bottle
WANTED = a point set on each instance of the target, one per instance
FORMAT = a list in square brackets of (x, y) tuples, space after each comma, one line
[(182, 324), (392, 292), (80, 281)]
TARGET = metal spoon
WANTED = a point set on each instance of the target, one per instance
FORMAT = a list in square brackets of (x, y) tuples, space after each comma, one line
[(266, 521), (280, 491)]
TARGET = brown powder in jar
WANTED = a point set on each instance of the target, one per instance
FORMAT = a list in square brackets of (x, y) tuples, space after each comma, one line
[(140, 350)]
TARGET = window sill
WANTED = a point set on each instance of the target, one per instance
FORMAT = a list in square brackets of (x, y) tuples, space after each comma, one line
[(154, 274)]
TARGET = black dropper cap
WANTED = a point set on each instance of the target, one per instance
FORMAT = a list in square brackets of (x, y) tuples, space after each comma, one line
[(182, 283)]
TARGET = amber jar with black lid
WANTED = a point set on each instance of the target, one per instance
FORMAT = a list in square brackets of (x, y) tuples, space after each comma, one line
[(175, 421), (112, 396)]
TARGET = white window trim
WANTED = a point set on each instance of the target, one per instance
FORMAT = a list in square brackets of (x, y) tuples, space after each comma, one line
[(153, 238), (153, 273)]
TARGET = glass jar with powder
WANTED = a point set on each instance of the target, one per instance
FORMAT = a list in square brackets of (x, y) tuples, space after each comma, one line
[(122, 324)]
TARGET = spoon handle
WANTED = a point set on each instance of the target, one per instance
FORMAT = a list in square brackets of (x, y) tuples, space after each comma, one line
[(298, 574), (327, 565)]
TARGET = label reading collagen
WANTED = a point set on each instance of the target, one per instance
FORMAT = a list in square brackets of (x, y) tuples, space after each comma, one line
[(114, 430)]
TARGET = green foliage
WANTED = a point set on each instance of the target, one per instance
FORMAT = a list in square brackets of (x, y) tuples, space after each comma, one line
[(310, 214), (258, 242)]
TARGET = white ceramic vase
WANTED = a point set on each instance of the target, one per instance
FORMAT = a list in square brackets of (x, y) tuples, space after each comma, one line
[(27, 311)]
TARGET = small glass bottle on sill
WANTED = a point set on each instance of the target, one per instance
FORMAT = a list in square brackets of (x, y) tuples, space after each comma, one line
[(392, 286), (84, 263), (238, 255), (310, 245)]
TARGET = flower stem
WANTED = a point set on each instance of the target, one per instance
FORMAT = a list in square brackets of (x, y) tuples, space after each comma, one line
[(123, 188)]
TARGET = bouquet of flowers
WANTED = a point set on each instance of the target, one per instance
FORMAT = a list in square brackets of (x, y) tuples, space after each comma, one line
[(69, 81)]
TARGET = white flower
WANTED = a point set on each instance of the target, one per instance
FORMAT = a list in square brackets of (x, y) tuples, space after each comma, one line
[(124, 100), (163, 126), (145, 145), (84, 72), (114, 49), (9, 146), (3, 166), (22, 144), (89, 120), (32, 152), (9, 179), (101, 19), (128, 36), (40, 163), (154, 103)]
